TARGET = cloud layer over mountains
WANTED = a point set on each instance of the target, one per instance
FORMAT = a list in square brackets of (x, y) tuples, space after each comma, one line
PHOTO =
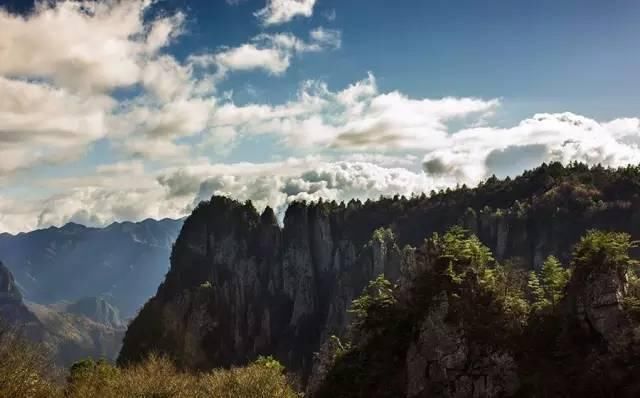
[(107, 78)]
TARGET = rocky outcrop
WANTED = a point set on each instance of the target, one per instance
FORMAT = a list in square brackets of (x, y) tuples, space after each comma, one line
[(596, 301), (600, 340), (241, 286), (441, 362)]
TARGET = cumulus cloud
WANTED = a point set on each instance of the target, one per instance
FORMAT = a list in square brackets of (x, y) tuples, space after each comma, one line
[(40, 123), (58, 87), (279, 183), (84, 45), (281, 11), (474, 153), (358, 117)]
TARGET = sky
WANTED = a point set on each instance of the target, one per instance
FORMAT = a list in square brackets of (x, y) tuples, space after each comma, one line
[(126, 110)]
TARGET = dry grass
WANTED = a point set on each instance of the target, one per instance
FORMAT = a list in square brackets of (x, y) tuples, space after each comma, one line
[(26, 372), (158, 378)]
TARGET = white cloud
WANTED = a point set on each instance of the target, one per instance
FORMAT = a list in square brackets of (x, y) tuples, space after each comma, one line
[(60, 88), (473, 154), (249, 56), (59, 66), (83, 45), (279, 183), (269, 52), (40, 123), (126, 191), (356, 118), (281, 11), (58, 97)]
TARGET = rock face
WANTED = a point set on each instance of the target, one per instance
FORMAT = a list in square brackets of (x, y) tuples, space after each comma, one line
[(124, 262), (601, 340), (241, 286), (442, 363), (597, 303)]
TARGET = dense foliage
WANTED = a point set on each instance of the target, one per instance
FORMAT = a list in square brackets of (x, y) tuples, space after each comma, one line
[(501, 307), (547, 286)]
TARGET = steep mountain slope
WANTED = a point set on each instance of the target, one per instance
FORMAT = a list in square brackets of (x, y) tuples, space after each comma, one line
[(124, 262), (240, 285), (67, 335)]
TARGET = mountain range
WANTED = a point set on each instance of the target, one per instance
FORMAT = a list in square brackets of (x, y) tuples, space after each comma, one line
[(122, 263), (72, 288)]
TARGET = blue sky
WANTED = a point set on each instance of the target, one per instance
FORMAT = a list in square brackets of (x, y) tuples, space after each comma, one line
[(127, 110)]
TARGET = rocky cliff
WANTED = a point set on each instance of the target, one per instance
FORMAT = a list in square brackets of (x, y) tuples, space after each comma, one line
[(240, 285)]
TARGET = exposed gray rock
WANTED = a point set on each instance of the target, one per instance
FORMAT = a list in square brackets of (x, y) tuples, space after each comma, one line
[(442, 363)]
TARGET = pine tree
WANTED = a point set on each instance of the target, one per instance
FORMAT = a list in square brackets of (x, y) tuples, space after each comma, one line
[(554, 279)]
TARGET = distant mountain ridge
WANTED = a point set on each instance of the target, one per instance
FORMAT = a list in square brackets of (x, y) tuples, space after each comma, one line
[(123, 263)]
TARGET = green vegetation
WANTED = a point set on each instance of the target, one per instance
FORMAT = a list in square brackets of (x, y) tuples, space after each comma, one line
[(500, 307), (600, 251), (372, 309), (547, 286)]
